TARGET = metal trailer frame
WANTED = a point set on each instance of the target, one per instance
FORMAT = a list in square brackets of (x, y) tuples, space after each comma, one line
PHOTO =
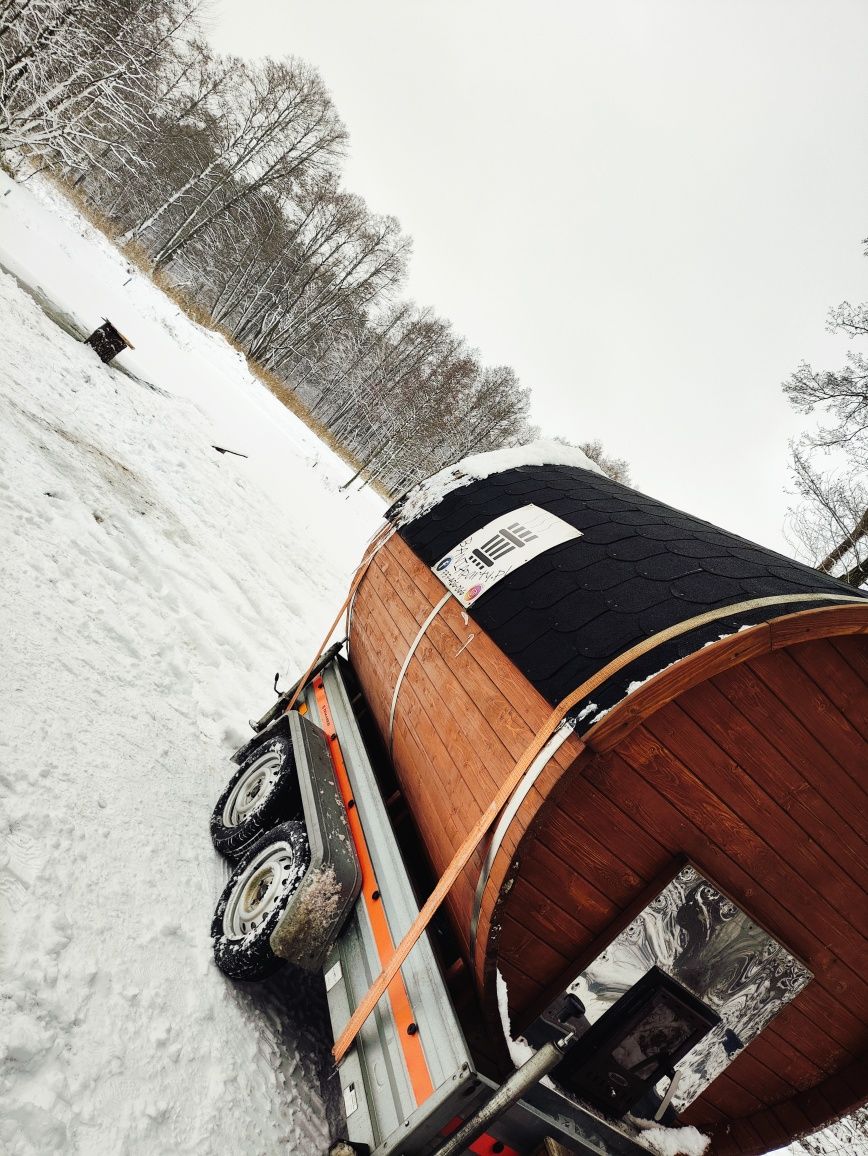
[(384, 1115)]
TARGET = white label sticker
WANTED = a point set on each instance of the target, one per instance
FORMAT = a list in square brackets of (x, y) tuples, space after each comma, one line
[(350, 1100), (480, 561), (333, 975)]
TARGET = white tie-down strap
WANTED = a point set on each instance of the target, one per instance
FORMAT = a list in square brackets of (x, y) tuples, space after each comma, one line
[(364, 567), (408, 659), (507, 815)]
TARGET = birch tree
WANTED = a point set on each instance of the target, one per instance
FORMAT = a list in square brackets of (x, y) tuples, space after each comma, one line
[(831, 521), (225, 174), (274, 126), (70, 71)]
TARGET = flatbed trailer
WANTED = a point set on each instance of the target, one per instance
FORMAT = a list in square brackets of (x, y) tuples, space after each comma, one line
[(411, 1077), (625, 756)]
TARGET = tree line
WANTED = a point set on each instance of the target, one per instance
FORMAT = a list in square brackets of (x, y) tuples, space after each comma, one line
[(225, 176)]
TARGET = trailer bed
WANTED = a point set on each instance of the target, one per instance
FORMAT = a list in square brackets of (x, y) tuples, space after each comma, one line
[(411, 1075)]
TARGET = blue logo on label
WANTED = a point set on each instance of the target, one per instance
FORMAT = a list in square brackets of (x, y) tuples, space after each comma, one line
[(443, 563)]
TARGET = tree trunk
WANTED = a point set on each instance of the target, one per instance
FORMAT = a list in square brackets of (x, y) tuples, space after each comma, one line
[(859, 531)]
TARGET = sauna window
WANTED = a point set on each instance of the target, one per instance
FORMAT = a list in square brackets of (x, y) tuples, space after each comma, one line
[(709, 945)]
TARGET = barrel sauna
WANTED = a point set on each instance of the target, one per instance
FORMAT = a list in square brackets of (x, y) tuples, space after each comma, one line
[(722, 720)]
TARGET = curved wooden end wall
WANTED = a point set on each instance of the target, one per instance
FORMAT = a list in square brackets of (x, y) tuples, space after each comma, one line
[(758, 775), (749, 757)]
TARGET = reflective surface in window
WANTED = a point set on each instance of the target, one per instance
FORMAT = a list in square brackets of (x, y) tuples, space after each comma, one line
[(703, 940)]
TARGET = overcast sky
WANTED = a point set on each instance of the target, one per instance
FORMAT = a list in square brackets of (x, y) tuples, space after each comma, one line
[(645, 208)]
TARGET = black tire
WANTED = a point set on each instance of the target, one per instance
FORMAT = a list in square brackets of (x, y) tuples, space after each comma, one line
[(247, 955), (233, 833)]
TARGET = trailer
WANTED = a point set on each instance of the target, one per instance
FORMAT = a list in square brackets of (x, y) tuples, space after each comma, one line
[(592, 775), (412, 1078)]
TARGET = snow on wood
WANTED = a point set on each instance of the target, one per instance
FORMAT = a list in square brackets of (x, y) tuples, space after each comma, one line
[(520, 1050)]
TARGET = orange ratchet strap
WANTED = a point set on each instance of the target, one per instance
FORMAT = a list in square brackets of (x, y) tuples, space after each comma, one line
[(408, 1032)]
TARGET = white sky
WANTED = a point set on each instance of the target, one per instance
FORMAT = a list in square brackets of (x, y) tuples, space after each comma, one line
[(646, 208)]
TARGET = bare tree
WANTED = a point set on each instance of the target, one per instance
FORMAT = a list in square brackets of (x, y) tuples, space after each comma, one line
[(617, 469), (71, 70), (830, 524), (225, 174), (276, 126), (847, 1138)]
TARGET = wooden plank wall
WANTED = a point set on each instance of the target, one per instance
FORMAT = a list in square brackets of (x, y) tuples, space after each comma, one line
[(464, 714)]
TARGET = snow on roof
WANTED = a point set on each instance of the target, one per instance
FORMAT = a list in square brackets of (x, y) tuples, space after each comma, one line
[(428, 494)]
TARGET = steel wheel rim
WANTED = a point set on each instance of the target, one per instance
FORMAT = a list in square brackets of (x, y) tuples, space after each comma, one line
[(252, 789), (260, 888)]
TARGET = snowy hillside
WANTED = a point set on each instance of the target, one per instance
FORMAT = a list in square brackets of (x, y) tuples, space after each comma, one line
[(149, 588)]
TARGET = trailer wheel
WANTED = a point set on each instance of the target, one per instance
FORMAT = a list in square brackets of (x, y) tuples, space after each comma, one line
[(254, 900), (262, 793)]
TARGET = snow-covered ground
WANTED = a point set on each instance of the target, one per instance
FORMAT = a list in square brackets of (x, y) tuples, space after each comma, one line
[(149, 589)]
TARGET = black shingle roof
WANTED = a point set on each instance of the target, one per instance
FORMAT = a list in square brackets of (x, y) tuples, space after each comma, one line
[(640, 567)]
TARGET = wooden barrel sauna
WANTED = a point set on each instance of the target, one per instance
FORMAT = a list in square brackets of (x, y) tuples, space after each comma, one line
[(726, 725)]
